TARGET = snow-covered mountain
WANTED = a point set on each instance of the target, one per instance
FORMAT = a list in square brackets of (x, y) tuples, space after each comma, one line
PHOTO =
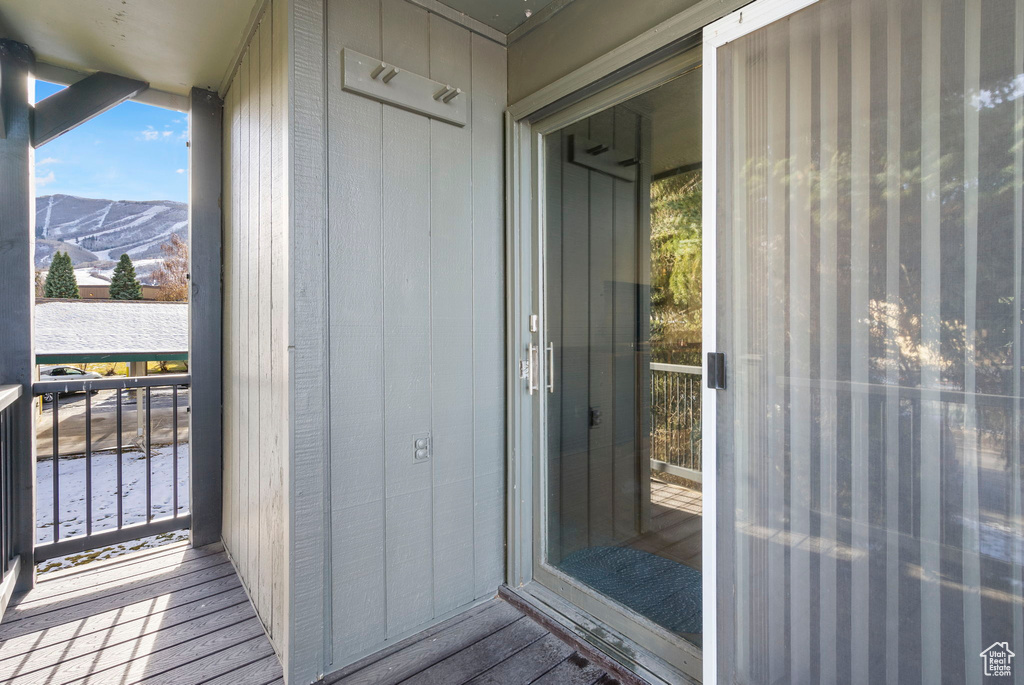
[(102, 230)]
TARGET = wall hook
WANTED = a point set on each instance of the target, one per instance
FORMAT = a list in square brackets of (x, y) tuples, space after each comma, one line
[(376, 79), (597, 149), (629, 162)]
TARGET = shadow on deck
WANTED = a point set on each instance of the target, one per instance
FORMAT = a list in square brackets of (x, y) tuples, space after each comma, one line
[(168, 615), (491, 644), (179, 616)]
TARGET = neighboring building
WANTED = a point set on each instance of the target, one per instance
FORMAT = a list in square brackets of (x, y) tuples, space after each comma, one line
[(102, 292), (80, 332), (420, 331)]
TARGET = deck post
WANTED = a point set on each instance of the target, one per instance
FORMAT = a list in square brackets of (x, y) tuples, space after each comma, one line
[(17, 247), (205, 347)]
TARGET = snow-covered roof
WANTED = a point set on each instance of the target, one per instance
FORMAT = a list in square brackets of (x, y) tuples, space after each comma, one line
[(129, 327)]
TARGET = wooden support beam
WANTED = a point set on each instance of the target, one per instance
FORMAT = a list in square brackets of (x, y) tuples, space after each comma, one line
[(204, 169), (80, 102), (17, 247)]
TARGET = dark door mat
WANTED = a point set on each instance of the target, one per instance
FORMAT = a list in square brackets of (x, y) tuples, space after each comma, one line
[(663, 591)]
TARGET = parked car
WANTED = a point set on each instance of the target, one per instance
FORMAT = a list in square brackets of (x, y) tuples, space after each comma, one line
[(60, 373)]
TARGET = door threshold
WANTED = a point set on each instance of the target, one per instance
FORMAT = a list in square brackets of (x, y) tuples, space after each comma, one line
[(628, 661)]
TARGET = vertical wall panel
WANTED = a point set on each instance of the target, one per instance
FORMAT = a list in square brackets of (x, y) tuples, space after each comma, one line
[(228, 238), (280, 278), (488, 87), (308, 484), (241, 335), (407, 353), (451, 327), (264, 365), (416, 331), (251, 366), (357, 340), (255, 321)]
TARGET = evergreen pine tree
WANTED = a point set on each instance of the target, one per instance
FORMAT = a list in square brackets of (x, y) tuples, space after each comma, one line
[(60, 279), (124, 285)]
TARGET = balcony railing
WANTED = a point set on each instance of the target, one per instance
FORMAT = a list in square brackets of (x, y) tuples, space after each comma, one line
[(9, 394), (79, 489), (675, 420)]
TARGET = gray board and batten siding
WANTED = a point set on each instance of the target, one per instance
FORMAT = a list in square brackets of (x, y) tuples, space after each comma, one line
[(255, 320), (385, 230), (415, 317)]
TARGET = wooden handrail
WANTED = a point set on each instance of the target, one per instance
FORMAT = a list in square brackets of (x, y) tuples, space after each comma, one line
[(8, 394), (677, 368)]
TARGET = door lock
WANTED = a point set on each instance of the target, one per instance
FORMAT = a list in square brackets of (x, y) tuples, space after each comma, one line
[(531, 369)]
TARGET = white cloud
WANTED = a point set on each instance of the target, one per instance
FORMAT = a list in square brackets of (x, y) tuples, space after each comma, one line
[(149, 134), (167, 133), (47, 160), (180, 171), (42, 181)]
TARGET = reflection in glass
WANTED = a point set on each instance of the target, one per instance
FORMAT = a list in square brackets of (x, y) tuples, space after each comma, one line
[(623, 303), (870, 248)]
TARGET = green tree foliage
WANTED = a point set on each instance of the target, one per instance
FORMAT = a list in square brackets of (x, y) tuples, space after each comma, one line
[(124, 285), (676, 268), (60, 279)]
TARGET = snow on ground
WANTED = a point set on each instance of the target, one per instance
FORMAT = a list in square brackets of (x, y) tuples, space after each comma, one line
[(104, 498), (85, 277), (103, 275)]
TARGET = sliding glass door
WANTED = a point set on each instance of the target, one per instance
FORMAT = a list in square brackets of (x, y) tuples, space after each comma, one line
[(620, 332), (866, 164)]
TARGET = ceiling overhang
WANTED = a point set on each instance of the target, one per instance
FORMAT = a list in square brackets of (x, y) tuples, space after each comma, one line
[(173, 46)]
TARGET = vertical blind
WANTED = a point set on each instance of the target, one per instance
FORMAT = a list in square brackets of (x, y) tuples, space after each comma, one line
[(870, 175)]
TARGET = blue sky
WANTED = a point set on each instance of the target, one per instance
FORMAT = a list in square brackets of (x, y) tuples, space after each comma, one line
[(132, 152)]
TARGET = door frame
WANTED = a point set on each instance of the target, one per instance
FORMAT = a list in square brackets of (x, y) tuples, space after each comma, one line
[(636, 66)]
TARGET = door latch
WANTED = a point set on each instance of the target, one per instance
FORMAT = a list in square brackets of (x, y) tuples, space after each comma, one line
[(716, 370), (528, 369)]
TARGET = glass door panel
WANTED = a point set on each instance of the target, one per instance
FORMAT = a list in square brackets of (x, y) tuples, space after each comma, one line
[(622, 328), (869, 251)]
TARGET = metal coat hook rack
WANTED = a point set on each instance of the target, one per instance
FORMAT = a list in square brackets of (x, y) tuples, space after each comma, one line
[(388, 83), (600, 157)]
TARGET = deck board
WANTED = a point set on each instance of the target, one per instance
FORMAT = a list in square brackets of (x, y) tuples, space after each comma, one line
[(179, 616), (495, 645), (531, 663)]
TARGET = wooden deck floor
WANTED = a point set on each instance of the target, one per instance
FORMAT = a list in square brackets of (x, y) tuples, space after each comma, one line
[(492, 644), (170, 615), (179, 616), (675, 525)]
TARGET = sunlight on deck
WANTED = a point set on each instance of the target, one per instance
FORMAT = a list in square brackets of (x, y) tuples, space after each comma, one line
[(168, 615)]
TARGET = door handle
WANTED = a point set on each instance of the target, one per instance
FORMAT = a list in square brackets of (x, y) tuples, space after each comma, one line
[(716, 370), (551, 367)]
